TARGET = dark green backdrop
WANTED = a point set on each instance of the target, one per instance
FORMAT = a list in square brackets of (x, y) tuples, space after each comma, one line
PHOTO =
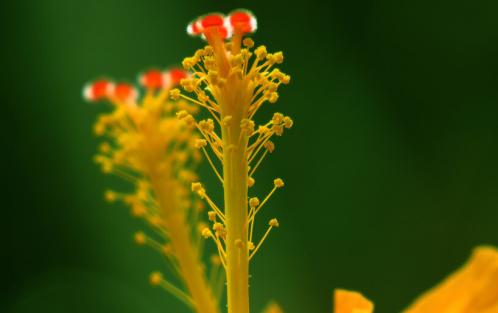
[(391, 167)]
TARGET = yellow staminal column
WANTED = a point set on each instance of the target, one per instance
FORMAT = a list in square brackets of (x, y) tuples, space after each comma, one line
[(186, 253), (235, 193)]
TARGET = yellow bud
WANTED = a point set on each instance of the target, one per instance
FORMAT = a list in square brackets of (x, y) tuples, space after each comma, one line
[(270, 146), (278, 182), (273, 97), (206, 233), (250, 182), (199, 143), (218, 226), (155, 278), (273, 222), (253, 202), (182, 114), (278, 57), (196, 186), (110, 196), (248, 42), (261, 52), (212, 216), (277, 118), (140, 238), (288, 122), (174, 94)]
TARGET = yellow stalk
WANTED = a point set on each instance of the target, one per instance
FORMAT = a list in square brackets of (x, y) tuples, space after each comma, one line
[(186, 253), (235, 193)]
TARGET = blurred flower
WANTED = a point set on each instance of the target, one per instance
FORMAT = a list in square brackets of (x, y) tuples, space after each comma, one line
[(471, 289), (149, 147), (232, 81)]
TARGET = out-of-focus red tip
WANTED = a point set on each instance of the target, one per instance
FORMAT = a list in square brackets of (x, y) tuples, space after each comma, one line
[(176, 75), (152, 79), (125, 92), (98, 90), (242, 21), (216, 21), (211, 20)]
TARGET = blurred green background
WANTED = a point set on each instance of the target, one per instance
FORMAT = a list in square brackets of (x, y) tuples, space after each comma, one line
[(390, 169)]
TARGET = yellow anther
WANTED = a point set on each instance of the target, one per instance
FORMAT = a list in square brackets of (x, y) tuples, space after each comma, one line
[(155, 278), (196, 186), (285, 79), (273, 97), (202, 96), (278, 57), (174, 94), (270, 146), (107, 167), (278, 182), (270, 58), (248, 42), (208, 50), (262, 129), (247, 126), (138, 210), (261, 52), (250, 245), (110, 196), (105, 147), (99, 129), (167, 249), (273, 222), (199, 143), (253, 202), (181, 114), (200, 53), (250, 181), (188, 63), (288, 122), (278, 129), (139, 238), (238, 243), (277, 118), (227, 120), (155, 221), (188, 84), (209, 63), (217, 227), (189, 120), (206, 233), (276, 74), (212, 216), (207, 125)]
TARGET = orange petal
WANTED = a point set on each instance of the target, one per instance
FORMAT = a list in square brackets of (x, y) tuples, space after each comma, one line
[(351, 302), (471, 289)]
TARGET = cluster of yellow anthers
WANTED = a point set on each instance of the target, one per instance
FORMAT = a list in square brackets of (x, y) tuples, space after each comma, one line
[(148, 146), (232, 80)]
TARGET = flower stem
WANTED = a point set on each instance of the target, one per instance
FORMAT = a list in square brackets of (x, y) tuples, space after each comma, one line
[(235, 193), (186, 253)]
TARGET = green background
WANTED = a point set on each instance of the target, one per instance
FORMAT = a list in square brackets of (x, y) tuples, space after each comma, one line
[(390, 170)]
